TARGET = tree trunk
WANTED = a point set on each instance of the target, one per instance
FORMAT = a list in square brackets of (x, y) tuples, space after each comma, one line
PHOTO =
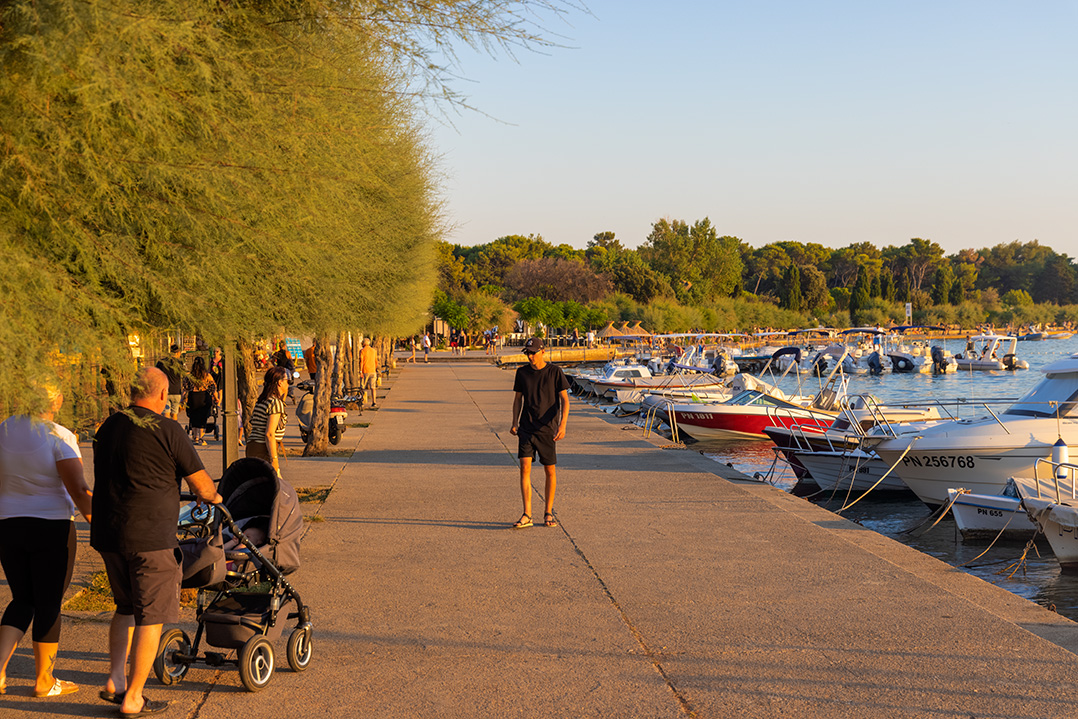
[(349, 362), (318, 445), (246, 382), (339, 364)]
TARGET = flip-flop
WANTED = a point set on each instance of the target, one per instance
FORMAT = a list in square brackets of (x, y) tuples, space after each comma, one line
[(113, 697), (149, 706), (59, 687), (524, 522)]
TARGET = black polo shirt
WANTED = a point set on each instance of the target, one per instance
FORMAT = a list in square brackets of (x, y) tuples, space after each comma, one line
[(138, 467)]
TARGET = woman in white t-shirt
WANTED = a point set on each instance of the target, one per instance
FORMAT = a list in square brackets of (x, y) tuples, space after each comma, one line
[(41, 484)]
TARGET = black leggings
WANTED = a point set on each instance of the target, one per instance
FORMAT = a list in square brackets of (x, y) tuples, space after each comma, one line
[(38, 556)]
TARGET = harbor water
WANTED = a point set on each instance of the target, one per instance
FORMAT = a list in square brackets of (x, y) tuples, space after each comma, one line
[(1032, 573)]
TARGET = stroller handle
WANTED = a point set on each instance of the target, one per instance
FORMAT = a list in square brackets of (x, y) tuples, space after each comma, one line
[(191, 497)]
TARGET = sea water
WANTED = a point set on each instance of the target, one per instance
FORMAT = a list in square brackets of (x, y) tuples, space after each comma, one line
[(1031, 572)]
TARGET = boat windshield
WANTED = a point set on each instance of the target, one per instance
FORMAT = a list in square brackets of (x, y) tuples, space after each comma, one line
[(753, 397), (1051, 394)]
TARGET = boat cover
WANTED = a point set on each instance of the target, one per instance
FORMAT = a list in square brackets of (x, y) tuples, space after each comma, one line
[(1042, 511)]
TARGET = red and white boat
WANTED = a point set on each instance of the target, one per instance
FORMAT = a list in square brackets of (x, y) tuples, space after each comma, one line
[(744, 416), (758, 406)]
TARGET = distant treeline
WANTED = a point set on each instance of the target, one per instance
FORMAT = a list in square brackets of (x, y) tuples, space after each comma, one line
[(685, 276)]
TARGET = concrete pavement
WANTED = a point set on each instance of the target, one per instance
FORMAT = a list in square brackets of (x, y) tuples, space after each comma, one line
[(667, 591)]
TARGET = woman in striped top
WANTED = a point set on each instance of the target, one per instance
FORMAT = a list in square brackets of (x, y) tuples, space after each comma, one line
[(268, 419)]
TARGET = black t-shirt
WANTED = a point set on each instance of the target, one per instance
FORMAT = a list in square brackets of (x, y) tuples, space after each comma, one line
[(540, 389), (137, 473), (173, 369)]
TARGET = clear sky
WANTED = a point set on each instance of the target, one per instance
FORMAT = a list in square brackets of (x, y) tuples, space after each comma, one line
[(830, 121)]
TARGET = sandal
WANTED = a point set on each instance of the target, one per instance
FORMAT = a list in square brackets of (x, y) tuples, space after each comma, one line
[(59, 688), (524, 522), (548, 520)]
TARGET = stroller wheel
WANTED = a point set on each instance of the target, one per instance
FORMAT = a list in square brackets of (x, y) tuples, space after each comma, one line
[(165, 665), (256, 663), (299, 648)]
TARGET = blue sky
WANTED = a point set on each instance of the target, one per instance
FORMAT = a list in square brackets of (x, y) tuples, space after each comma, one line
[(830, 122)]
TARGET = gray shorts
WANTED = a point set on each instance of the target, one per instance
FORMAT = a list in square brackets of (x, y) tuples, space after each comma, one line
[(145, 584), (174, 402)]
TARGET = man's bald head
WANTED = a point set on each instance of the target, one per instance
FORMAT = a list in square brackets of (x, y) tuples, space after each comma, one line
[(149, 385)]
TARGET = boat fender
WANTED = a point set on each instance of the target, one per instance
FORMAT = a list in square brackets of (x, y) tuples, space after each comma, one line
[(1060, 456)]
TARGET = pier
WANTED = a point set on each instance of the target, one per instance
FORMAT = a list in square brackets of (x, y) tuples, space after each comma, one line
[(673, 587)]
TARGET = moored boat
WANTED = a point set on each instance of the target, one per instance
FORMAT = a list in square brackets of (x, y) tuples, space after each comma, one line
[(981, 454)]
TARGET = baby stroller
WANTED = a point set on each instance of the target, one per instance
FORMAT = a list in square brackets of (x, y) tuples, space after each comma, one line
[(237, 554)]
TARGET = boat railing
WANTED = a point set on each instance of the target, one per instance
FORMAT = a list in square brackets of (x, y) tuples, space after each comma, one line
[(652, 419), (799, 433), (1061, 472)]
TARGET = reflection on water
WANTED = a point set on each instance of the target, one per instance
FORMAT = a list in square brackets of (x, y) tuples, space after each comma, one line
[(1038, 578)]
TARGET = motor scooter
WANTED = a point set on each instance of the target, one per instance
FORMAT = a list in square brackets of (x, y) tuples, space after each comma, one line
[(305, 413)]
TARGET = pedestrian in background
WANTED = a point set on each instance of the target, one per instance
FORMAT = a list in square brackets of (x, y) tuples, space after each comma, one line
[(172, 366), (201, 395), (41, 484), (540, 415), (268, 419), (426, 347), (368, 369)]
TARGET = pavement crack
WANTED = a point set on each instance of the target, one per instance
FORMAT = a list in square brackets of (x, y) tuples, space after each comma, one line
[(686, 707)]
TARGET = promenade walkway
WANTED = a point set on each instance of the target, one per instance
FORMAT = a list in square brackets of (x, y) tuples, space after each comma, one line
[(667, 591)]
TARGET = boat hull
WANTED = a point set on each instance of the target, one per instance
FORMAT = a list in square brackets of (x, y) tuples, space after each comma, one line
[(984, 517), (979, 456), (726, 422), (844, 471), (1059, 523)]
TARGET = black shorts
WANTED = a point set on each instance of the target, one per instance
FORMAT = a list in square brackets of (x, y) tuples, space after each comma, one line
[(541, 443), (145, 584)]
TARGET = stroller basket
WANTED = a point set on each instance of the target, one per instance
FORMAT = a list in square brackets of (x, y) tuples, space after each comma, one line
[(232, 621)]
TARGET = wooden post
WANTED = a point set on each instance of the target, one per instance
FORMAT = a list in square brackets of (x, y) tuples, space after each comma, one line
[(230, 444)]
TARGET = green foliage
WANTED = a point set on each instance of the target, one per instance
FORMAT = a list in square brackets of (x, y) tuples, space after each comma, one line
[(701, 265), (1014, 298), (816, 298), (841, 298), (859, 297), (941, 285), (791, 289), (229, 174)]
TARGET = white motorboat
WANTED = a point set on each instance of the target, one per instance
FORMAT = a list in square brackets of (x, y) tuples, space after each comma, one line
[(584, 382), (981, 454), (990, 352), (852, 470), (916, 357), (1051, 504), (988, 516)]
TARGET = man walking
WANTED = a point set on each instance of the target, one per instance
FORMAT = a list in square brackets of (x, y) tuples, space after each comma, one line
[(368, 369), (540, 414), (426, 347), (139, 457), (172, 366)]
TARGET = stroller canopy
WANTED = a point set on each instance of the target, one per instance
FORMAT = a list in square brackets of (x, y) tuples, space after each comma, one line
[(250, 488)]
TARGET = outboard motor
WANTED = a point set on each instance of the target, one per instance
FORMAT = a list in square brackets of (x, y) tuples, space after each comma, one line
[(875, 366), (1009, 361), (939, 360)]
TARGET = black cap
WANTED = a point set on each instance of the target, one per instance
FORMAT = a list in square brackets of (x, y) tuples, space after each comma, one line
[(533, 345)]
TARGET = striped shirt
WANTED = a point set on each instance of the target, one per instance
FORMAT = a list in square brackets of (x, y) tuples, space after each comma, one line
[(260, 419)]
